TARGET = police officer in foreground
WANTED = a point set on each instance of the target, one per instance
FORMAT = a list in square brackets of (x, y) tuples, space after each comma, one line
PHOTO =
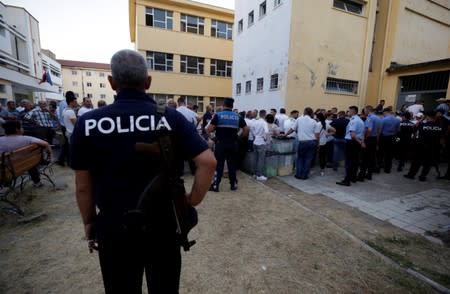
[(427, 151), (390, 128), (111, 175), (226, 124), (372, 132)]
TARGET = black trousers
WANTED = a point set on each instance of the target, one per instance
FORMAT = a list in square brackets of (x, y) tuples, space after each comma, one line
[(226, 151), (352, 154), (404, 148), (387, 149), (368, 157), (125, 255), (64, 152)]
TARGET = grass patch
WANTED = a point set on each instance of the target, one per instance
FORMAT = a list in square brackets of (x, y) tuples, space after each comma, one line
[(400, 259)]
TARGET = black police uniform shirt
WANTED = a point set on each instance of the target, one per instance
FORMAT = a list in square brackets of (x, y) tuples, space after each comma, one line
[(103, 143), (227, 124), (429, 136), (406, 131)]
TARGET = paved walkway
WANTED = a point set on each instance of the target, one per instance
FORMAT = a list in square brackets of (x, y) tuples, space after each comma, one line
[(408, 204)]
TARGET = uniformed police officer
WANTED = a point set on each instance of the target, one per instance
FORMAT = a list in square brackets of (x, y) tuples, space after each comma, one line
[(354, 141), (226, 124), (111, 175), (407, 128), (389, 130), (428, 147), (372, 131)]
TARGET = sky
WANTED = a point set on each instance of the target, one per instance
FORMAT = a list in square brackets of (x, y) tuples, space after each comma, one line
[(86, 30)]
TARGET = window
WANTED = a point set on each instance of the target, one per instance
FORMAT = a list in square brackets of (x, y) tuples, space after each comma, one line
[(274, 82), (89, 84), (161, 97), (74, 72), (262, 9), (251, 18), (88, 73), (192, 64), (77, 95), (89, 95), (342, 86), (216, 101), (238, 89), (248, 87), (240, 26), (102, 85), (101, 74), (2, 31), (158, 18), (195, 100), (192, 24), (259, 85), (2, 88), (222, 30), (277, 3), (74, 83), (159, 61), (102, 96), (349, 6), (221, 68)]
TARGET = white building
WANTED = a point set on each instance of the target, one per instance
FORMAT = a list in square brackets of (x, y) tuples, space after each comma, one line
[(21, 66), (261, 53)]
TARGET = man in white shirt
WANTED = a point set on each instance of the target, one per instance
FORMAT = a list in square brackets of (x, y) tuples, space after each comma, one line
[(307, 130), (281, 118), (416, 108), (290, 122), (69, 115), (260, 132), (87, 106), (190, 115)]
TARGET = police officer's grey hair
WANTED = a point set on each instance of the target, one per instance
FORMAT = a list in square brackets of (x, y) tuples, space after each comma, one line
[(129, 69)]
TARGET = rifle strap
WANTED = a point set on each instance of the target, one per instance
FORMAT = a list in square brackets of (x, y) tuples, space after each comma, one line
[(166, 146)]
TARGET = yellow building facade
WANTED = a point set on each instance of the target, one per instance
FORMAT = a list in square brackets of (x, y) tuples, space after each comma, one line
[(87, 79), (188, 48), (411, 52)]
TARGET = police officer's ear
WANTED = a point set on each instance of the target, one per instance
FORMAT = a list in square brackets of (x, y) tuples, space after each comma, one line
[(112, 82), (148, 82)]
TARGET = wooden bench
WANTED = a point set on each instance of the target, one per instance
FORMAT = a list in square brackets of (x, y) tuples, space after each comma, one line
[(14, 167)]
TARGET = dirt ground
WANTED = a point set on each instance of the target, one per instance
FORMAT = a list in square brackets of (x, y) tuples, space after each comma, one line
[(255, 240)]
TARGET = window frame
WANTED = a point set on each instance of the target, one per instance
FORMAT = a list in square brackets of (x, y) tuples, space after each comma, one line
[(251, 18), (74, 72), (274, 77), (238, 89), (199, 101), (225, 72), (260, 85), (88, 73), (342, 86), (152, 65), (348, 5), (102, 85), (101, 74), (240, 26), (185, 60), (168, 18), (89, 84), (102, 96), (215, 24), (277, 3), (74, 83), (248, 87), (262, 8), (89, 95), (200, 26)]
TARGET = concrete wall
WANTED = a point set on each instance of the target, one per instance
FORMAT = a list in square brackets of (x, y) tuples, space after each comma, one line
[(260, 51), (327, 42)]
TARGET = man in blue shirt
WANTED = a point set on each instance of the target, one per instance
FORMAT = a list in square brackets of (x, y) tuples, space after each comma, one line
[(389, 129), (226, 124), (372, 131), (354, 138), (111, 174)]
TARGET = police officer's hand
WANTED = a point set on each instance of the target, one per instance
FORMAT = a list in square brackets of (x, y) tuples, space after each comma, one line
[(90, 237)]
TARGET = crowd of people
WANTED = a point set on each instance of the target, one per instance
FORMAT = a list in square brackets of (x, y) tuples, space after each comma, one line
[(369, 140)]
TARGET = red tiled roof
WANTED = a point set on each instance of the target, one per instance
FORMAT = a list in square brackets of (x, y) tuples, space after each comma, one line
[(83, 64)]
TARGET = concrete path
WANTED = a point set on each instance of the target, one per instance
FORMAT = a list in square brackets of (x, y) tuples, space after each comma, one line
[(408, 204)]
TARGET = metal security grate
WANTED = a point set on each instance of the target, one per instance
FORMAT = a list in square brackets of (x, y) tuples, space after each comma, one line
[(342, 86), (426, 82)]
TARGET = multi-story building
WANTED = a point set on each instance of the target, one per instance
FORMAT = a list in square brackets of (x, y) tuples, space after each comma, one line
[(330, 53), (188, 47), (87, 80), (21, 65), (52, 68)]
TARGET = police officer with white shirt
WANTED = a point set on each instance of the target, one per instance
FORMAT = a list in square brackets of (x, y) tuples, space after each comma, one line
[(111, 174), (354, 141)]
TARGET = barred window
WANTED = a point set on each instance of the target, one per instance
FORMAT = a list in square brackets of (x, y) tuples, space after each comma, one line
[(238, 89), (221, 68), (192, 24), (274, 82), (192, 64), (349, 6), (342, 86), (259, 85), (158, 18), (159, 61), (222, 30), (240, 26), (248, 87)]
